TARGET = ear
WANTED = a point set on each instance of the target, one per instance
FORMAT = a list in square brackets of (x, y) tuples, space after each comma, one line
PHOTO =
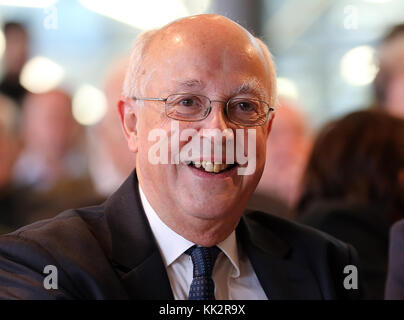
[(270, 121), (127, 114)]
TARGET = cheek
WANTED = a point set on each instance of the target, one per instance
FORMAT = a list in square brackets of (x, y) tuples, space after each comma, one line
[(257, 138), (154, 145), (261, 150)]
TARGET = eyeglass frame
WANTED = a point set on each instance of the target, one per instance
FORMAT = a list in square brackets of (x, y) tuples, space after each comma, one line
[(209, 109)]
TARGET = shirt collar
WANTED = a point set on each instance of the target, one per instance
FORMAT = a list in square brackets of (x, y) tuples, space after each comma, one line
[(229, 248), (172, 245)]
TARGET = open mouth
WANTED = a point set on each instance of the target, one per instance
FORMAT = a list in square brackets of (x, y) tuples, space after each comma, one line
[(211, 167)]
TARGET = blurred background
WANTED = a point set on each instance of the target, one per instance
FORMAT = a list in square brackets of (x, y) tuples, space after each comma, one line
[(324, 49), (62, 63)]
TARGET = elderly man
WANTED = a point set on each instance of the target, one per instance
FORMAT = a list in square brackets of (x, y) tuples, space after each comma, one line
[(175, 229)]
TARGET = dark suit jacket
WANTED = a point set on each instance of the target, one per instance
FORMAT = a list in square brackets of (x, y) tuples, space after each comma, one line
[(366, 227), (395, 276), (108, 252)]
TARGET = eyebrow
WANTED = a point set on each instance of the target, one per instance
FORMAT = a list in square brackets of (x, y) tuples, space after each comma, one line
[(250, 87)]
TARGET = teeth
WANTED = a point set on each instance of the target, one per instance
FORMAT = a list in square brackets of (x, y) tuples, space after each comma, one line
[(210, 166)]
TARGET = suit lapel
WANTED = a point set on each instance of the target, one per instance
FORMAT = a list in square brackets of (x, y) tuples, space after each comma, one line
[(281, 273), (134, 252), (148, 280), (136, 258)]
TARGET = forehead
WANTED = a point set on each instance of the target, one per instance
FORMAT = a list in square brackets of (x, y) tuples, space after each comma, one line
[(224, 58)]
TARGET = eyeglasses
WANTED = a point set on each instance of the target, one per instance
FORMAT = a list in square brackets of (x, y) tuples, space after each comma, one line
[(194, 107)]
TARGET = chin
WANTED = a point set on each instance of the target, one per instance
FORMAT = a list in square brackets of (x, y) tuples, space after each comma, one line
[(214, 210)]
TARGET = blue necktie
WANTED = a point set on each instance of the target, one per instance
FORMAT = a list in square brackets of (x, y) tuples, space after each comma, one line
[(202, 286)]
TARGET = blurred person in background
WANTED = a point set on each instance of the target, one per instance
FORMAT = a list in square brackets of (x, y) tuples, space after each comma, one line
[(351, 188), (389, 82), (15, 56), (53, 162), (395, 276), (49, 134), (289, 148), (9, 148), (110, 160)]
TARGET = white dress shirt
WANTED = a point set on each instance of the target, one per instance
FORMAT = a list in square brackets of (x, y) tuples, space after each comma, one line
[(233, 274)]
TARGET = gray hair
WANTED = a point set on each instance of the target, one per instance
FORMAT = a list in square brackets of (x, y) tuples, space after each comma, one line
[(132, 84), (273, 91), (135, 85)]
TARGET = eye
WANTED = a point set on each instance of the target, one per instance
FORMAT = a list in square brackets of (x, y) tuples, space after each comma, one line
[(187, 102), (246, 106)]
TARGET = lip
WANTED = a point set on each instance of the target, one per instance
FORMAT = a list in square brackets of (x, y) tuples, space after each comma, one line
[(223, 161), (211, 158), (209, 175)]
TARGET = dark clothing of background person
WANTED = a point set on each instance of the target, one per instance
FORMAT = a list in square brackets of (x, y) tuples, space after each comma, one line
[(10, 86), (109, 252), (268, 203), (21, 205), (364, 226), (10, 202), (352, 187), (395, 278), (65, 194)]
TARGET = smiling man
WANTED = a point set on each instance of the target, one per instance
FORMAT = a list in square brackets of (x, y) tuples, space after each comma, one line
[(175, 229)]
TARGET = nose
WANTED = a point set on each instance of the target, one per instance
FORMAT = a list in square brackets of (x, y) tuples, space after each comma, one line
[(217, 118), (217, 135)]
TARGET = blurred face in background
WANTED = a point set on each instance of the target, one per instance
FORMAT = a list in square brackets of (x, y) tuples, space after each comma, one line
[(9, 142), (48, 126), (8, 155), (288, 149), (392, 66), (109, 129), (16, 51)]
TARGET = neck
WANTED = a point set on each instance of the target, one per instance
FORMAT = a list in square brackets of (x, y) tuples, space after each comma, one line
[(201, 231)]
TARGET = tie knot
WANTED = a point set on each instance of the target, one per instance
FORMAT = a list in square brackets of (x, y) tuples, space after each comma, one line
[(204, 259)]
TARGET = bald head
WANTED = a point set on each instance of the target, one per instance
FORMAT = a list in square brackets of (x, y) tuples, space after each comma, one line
[(210, 35), (203, 32)]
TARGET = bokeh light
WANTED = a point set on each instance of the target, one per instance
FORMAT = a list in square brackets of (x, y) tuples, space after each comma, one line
[(287, 88), (28, 3), (89, 105), (378, 1), (41, 74), (358, 66), (2, 43), (140, 14)]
